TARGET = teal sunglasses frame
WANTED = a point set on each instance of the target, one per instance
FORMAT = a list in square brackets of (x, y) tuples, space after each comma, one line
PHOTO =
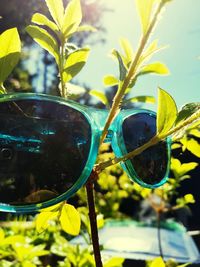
[(96, 118)]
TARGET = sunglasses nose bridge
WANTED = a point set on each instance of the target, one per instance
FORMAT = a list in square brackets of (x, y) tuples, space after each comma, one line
[(109, 137)]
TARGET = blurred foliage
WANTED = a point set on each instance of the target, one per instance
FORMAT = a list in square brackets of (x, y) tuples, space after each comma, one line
[(158, 262), (21, 80), (21, 246), (21, 17)]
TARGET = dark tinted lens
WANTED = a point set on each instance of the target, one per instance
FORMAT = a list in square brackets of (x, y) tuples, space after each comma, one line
[(150, 165), (44, 147)]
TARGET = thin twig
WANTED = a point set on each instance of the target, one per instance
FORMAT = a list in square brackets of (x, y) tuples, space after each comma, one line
[(159, 234), (93, 220)]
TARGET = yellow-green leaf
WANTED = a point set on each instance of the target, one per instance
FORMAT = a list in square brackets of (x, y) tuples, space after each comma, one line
[(10, 240), (10, 49), (53, 208), (155, 68), (175, 146), (158, 262), (45, 40), (145, 8), (194, 147), (100, 96), (122, 64), (142, 99), (74, 63), (150, 51), (42, 220), (40, 19), (1, 235), (56, 10), (72, 17), (74, 90), (114, 262), (189, 199), (180, 169), (110, 80), (70, 220), (86, 28), (195, 132), (187, 110), (166, 113), (100, 221), (127, 48)]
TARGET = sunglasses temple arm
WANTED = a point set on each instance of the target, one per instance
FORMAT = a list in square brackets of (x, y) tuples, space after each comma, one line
[(93, 218)]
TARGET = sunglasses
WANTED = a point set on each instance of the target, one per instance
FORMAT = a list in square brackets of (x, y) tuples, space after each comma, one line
[(48, 148)]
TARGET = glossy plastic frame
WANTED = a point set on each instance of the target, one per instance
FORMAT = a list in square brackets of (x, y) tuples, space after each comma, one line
[(96, 118)]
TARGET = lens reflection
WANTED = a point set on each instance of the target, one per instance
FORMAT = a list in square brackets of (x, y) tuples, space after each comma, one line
[(151, 165), (44, 147)]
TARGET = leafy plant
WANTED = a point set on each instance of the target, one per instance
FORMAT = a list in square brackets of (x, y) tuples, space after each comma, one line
[(9, 54), (66, 22), (54, 35)]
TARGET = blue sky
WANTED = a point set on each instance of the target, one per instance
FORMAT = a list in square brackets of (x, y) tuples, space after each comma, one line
[(179, 28)]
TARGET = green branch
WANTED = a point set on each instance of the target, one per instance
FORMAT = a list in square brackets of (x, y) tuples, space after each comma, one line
[(155, 140), (131, 74)]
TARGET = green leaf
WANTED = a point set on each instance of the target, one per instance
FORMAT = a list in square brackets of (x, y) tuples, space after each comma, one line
[(150, 51), (195, 132), (127, 48), (74, 63), (166, 113), (175, 146), (189, 199), (194, 147), (42, 220), (74, 91), (2, 88), (122, 68), (180, 169), (10, 240), (10, 49), (100, 96), (70, 220), (186, 264), (156, 68), (110, 80), (100, 221), (44, 21), (45, 40), (145, 8), (187, 111), (86, 28), (158, 262), (72, 18), (53, 208), (142, 99), (38, 251), (1, 235), (114, 262), (56, 10)]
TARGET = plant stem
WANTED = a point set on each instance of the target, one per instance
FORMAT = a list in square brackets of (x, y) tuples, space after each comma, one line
[(155, 140), (159, 235), (130, 75), (132, 154), (93, 220), (61, 67)]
